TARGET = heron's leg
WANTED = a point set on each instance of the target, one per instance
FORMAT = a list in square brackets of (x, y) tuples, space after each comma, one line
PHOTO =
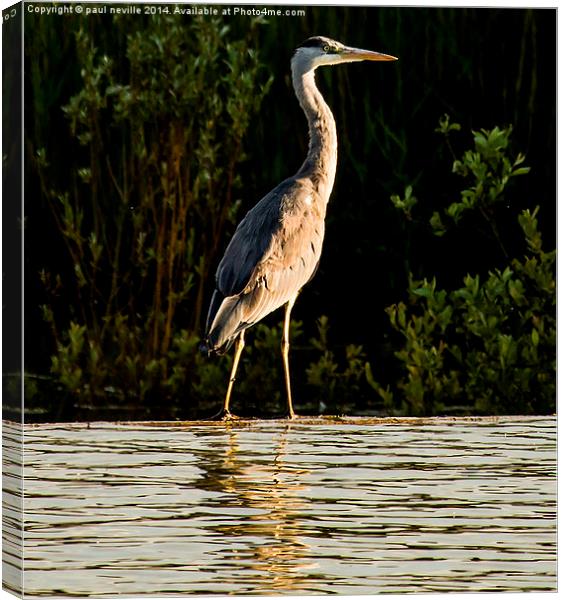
[(239, 345), (285, 356)]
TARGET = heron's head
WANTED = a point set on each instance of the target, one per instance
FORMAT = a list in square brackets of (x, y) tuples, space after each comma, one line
[(319, 50)]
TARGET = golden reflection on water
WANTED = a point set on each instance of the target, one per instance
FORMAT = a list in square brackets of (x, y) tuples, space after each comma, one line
[(287, 508), (272, 492)]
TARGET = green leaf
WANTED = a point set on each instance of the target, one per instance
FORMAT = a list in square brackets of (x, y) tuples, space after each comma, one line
[(521, 171), (422, 291)]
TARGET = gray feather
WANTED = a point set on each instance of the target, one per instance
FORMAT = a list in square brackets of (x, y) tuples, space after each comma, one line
[(273, 253)]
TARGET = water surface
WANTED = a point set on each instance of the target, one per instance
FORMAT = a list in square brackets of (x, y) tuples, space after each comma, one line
[(353, 507)]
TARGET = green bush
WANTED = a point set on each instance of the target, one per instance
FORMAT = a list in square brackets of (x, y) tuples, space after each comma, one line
[(153, 193), (489, 346), (335, 385)]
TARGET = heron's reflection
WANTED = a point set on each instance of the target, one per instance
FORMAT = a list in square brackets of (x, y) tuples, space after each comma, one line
[(266, 494)]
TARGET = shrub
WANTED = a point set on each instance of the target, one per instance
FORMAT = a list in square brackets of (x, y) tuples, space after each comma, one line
[(152, 192), (488, 346), (336, 385)]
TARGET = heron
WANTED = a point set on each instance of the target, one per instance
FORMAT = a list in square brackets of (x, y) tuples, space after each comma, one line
[(276, 248)]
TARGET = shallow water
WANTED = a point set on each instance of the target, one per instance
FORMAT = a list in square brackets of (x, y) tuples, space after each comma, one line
[(353, 507)]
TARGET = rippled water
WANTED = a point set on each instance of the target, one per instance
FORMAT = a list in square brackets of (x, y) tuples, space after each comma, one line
[(353, 507)]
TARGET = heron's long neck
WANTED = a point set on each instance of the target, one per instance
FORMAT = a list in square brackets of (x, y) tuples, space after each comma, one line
[(320, 164)]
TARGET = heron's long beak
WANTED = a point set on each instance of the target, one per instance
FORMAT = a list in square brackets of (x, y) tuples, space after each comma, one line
[(351, 54)]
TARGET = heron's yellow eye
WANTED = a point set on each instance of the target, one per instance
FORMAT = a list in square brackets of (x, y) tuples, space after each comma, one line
[(326, 48)]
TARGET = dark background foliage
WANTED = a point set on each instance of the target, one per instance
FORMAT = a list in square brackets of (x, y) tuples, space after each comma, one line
[(484, 67)]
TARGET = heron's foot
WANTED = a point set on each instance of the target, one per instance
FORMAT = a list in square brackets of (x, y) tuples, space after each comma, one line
[(224, 415), (291, 416)]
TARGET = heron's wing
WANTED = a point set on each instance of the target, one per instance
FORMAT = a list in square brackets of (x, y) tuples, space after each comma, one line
[(273, 253), (291, 261), (250, 243), (276, 248)]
